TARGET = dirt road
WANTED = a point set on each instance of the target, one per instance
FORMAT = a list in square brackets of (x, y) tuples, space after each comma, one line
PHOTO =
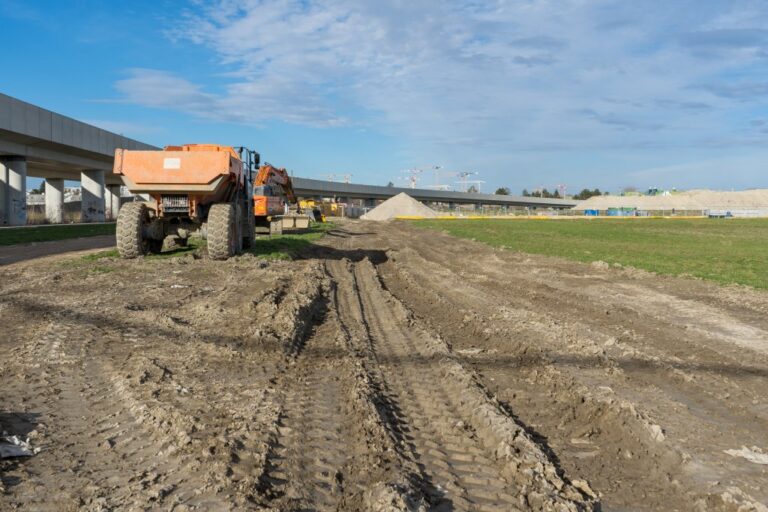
[(22, 252), (390, 369)]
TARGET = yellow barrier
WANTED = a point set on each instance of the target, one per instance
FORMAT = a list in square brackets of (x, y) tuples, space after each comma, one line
[(550, 217)]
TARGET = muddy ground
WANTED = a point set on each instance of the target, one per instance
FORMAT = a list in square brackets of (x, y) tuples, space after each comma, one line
[(388, 369)]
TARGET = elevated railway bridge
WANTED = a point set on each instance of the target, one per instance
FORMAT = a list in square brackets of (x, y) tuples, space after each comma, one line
[(35, 142)]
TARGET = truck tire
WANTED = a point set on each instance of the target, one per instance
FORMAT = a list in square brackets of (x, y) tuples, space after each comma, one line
[(131, 221), (222, 231)]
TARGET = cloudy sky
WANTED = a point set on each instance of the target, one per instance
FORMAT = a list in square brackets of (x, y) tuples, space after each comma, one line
[(583, 93)]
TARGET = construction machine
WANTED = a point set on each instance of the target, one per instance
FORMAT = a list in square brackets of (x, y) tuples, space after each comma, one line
[(194, 188), (313, 207), (272, 195)]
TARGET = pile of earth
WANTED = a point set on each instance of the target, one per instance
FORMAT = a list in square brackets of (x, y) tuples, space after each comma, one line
[(756, 199), (401, 205)]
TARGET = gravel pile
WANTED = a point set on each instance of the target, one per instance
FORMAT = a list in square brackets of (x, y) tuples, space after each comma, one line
[(401, 205), (691, 200)]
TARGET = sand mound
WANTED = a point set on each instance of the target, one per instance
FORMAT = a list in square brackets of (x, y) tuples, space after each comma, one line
[(401, 205), (692, 200)]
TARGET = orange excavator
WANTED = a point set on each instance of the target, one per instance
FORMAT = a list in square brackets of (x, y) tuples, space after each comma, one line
[(272, 193)]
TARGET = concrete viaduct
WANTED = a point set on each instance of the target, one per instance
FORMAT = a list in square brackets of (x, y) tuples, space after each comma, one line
[(317, 188), (39, 143), (35, 142)]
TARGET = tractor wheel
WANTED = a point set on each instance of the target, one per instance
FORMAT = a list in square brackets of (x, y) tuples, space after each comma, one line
[(222, 231), (131, 221)]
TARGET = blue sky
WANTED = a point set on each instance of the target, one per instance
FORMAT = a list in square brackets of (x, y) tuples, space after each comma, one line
[(527, 93)]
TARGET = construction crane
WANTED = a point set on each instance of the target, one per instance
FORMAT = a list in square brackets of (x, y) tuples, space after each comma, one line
[(438, 170), (472, 183), (413, 176), (464, 177)]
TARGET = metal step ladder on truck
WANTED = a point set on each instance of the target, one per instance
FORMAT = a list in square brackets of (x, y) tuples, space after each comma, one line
[(203, 189)]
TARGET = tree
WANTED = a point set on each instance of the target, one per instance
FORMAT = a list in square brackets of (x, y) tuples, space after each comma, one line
[(390, 184), (502, 191), (586, 194), (630, 189), (526, 193), (472, 189), (556, 194)]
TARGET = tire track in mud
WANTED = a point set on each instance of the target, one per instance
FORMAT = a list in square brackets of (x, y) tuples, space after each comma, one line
[(470, 454), (597, 422), (140, 437), (98, 431), (303, 467), (423, 277), (329, 450)]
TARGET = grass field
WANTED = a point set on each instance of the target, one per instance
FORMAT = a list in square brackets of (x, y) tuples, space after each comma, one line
[(725, 251), (285, 247), (25, 235)]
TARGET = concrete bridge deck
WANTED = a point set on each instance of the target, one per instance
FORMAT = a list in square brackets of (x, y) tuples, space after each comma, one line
[(35, 142), (317, 188)]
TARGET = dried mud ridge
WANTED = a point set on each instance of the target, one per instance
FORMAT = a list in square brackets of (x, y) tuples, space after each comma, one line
[(383, 372)]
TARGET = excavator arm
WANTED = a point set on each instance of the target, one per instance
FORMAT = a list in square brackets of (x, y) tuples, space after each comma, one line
[(270, 175), (272, 190)]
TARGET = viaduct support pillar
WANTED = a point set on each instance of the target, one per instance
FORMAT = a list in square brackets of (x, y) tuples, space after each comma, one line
[(13, 170), (3, 194), (54, 200), (92, 188), (112, 201)]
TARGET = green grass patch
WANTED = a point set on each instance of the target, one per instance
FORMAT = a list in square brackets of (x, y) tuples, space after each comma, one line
[(193, 245), (720, 250), (287, 247), (94, 256), (25, 235)]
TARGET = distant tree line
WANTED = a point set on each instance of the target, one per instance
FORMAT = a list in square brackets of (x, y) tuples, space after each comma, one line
[(555, 194), (542, 193), (586, 193)]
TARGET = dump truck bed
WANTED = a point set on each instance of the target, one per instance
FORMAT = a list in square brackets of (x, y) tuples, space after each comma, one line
[(204, 170)]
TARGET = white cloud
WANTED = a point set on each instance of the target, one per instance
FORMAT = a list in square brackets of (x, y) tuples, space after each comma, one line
[(249, 101), (471, 76), (729, 172)]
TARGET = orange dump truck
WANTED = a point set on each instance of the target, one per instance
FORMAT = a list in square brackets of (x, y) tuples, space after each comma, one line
[(195, 188)]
